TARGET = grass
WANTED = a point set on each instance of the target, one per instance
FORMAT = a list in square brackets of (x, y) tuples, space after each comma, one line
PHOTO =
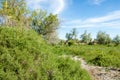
[(101, 55)]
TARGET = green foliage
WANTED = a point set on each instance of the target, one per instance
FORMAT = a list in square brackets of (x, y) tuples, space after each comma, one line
[(68, 36), (72, 35), (45, 25), (100, 55), (71, 70), (86, 38), (106, 60), (70, 42), (116, 40), (14, 13), (38, 17), (25, 56), (103, 38)]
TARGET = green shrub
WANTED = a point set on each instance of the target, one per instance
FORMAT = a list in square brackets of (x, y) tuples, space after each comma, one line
[(71, 70), (25, 56), (71, 42), (107, 56), (106, 60)]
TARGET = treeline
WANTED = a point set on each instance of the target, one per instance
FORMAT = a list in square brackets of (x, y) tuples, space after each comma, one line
[(85, 38), (15, 13)]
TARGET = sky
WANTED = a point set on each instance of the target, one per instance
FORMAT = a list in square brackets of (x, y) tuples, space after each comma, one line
[(90, 15)]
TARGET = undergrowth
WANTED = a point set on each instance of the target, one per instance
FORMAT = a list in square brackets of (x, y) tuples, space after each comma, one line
[(101, 55), (24, 55)]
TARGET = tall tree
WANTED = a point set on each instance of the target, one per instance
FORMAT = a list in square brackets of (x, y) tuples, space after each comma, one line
[(69, 36), (116, 40), (72, 35), (103, 38), (38, 16), (45, 25), (14, 12), (86, 37)]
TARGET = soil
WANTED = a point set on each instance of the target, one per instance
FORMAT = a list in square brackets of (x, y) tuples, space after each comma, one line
[(97, 72)]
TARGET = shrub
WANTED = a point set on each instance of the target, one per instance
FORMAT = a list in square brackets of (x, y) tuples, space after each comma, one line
[(25, 56), (71, 42), (106, 60)]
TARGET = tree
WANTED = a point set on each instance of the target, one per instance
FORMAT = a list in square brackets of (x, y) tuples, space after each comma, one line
[(116, 40), (14, 13), (72, 35), (103, 38), (68, 36), (49, 26), (38, 17), (86, 38), (45, 25)]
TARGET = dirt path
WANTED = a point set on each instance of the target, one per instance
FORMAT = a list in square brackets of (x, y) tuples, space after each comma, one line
[(99, 73)]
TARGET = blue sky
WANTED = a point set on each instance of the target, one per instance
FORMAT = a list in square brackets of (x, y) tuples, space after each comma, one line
[(90, 15)]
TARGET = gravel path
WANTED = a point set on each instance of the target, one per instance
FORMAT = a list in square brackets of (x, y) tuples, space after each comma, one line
[(98, 73)]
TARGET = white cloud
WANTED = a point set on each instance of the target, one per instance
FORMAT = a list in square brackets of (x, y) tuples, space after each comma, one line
[(112, 19), (97, 2), (55, 6), (58, 5), (111, 16)]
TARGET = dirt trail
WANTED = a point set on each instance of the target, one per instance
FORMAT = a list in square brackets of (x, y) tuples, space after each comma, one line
[(99, 73)]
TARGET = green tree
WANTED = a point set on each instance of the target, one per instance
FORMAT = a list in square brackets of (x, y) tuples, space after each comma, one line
[(86, 37), (72, 35), (68, 36), (103, 38), (38, 17), (14, 13), (45, 25), (116, 40)]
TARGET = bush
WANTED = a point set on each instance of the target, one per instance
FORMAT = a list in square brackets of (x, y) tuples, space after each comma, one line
[(101, 55), (106, 60), (71, 42), (25, 56), (71, 70)]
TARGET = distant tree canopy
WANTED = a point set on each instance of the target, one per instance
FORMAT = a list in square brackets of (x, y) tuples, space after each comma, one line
[(14, 13), (116, 40), (86, 38), (103, 38), (72, 35)]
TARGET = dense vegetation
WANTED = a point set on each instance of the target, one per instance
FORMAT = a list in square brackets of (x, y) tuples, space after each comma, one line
[(102, 51), (25, 56), (101, 55), (17, 13)]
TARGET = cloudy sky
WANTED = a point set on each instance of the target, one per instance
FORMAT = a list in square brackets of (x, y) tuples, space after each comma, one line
[(90, 15)]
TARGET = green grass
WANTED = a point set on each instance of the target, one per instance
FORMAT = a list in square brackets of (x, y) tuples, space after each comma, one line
[(101, 55), (24, 55)]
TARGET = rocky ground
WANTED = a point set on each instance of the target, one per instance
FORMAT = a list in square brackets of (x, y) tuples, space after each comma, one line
[(99, 73)]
